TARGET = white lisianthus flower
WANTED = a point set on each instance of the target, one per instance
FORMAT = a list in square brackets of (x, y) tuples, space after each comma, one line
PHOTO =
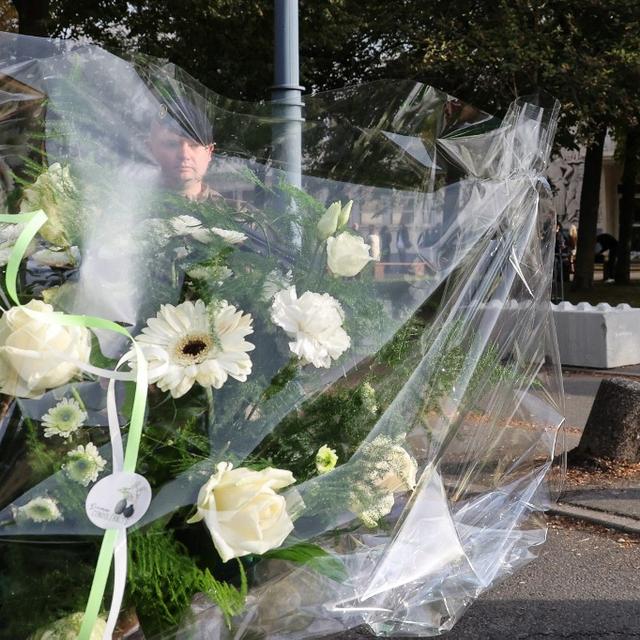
[(372, 507), (368, 395), (33, 348), (40, 509), (68, 628), (59, 259), (186, 225), (242, 510), (64, 419), (347, 255), (9, 233), (274, 282), (197, 346), (85, 464), (211, 273), (314, 321), (328, 223), (232, 237), (51, 192), (388, 469), (326, 459), (396, 471)]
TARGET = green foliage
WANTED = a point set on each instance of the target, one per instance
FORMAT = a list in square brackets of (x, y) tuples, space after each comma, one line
[(314, 557), (43, 460), (175, 438), (41, 582), (163, 577), (230, 599), (400, 348), (341, 418)]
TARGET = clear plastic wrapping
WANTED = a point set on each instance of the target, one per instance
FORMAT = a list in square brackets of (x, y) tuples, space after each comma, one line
[(354, 408)]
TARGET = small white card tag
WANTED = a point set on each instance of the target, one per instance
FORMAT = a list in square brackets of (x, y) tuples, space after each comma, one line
[(118, 501)]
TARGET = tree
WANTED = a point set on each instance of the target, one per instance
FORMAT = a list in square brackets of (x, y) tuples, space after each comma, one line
[(8, 16), (33, 17), (578, 50), (628, 190), (589, 204), (584, 52)]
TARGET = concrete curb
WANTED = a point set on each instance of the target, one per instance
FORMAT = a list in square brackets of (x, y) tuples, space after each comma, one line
[(611, 520)]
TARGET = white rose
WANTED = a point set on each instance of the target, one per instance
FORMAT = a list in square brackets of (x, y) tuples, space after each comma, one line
[(30, 347), (347, 255), (242, 510), (314, 321)]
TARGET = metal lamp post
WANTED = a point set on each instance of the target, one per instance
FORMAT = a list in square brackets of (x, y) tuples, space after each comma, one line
[(286, 92)]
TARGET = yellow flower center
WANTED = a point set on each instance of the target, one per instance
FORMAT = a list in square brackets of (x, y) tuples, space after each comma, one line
[(193, 349)]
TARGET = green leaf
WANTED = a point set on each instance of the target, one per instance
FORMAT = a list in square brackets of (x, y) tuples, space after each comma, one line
[(314, 557), (230, 599)]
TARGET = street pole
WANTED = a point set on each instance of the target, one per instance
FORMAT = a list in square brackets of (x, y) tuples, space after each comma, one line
[(286, 93)]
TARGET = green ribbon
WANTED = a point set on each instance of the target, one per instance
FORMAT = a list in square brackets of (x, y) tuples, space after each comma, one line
[(33, 222)]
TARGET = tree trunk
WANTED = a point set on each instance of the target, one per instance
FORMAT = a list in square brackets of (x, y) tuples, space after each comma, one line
[(588, 222), (627, 205), (613, 427), (33, 17)]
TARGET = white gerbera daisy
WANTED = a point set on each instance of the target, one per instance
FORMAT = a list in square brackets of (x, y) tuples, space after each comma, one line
[(64, 419), (197, 345), (85, 464), (232, 237), (40, 509)]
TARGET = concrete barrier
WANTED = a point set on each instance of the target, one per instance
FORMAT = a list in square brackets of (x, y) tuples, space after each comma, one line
[(602, 337)]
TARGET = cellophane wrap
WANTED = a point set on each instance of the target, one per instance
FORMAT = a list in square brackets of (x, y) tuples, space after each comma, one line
[(383, 371)]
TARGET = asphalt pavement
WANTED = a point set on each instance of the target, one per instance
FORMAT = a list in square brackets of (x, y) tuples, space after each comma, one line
[(585, 582), (584, 585)]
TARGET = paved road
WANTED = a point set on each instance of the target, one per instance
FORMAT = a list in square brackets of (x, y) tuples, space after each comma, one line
[(584, 586)]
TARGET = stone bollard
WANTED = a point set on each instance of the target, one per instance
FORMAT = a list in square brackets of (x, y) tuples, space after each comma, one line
[(613, 427)]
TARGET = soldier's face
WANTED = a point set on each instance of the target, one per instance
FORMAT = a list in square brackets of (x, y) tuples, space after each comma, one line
[(183, 160)]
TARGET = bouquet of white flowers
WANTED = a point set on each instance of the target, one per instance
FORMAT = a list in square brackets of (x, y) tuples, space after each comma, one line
[(235, 407)]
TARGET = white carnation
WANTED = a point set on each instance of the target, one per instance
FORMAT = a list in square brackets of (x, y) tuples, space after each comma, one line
[(314, 321)]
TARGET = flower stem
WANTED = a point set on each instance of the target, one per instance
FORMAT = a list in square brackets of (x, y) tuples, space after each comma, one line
[(76, 395), (210, 413)]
